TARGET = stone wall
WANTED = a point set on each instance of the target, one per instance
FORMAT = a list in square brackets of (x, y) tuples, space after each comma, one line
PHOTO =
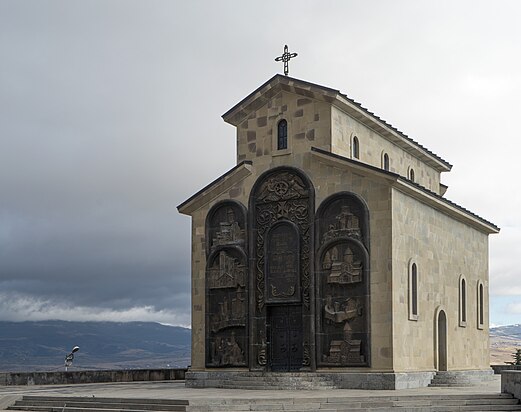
[(71, 377), (308, 125), (443, 250), (319, 124), (511, 383), (372, 148)]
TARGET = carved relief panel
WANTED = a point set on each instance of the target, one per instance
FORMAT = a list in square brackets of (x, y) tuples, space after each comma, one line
[(342, 273), (282, 264), (344, 217), (225, 226), (226, 287), (281, 206)]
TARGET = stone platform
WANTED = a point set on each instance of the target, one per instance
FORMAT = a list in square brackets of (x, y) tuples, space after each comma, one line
[(229, 379), (485, 396)]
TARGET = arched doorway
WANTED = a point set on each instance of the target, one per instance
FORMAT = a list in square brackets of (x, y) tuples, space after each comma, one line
[(281, 217), (441, 339)]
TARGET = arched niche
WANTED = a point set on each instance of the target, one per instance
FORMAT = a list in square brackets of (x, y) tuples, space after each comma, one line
[(342, 282), (226, 280), (282, 258)]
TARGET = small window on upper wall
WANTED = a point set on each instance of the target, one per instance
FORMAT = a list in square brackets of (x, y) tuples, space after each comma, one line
[(411, 174), (356, 148), (481, 305), (282, 135), (385, 162)]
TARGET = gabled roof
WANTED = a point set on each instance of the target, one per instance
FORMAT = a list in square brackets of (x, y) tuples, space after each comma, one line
[(278, 83), (218, 186)]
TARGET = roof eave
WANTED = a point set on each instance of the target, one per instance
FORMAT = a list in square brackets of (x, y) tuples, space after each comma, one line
[(215, 188), (260, 96), (384, 129), (413, 189)]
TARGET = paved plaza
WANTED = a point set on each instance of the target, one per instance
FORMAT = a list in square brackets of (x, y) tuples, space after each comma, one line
[(177, 390)]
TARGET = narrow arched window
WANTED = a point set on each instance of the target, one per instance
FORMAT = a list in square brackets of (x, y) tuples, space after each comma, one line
[(386, 162), (411, 174), (462, 301), (413, 292), (282, 135), (356, 148), (481, 304)]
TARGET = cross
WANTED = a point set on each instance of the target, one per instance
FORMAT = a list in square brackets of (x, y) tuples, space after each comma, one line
[(286, 56)]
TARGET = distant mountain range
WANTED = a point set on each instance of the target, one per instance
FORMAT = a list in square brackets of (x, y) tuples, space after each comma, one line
[(504, 340), (42, 346), (33, 346)]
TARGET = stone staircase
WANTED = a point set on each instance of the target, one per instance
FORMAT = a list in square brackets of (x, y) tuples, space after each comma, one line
[(94, 404), (420, 403)]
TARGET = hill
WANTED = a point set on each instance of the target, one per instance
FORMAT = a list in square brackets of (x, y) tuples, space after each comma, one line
[(504, 340), (36, 346), (42, 346)]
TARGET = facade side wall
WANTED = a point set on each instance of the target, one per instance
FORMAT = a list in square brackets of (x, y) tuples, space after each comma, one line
[(327, 180), (372, 147), (443, 249)]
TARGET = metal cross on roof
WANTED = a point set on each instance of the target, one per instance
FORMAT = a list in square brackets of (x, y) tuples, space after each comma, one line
[(286, 56)]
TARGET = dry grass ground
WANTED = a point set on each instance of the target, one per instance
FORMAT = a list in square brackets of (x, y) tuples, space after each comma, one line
[(502, 347)]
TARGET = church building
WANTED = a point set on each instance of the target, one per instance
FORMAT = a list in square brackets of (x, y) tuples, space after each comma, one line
[(330, 251)]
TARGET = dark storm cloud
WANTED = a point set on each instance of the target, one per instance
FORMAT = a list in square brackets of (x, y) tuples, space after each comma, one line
[(110, 117)]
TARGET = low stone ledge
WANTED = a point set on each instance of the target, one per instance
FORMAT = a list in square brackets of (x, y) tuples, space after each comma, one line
[(90, 376), (511, 382), (308, 380), (500, 368)]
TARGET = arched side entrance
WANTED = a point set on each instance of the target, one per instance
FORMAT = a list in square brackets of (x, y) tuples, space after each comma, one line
[(440, 338), (281, 312)]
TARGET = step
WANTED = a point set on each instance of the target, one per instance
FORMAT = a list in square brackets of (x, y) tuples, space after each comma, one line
[(431, 403), (104, 399), (20, 405), (352, 406), (92, 408), (93, 404)]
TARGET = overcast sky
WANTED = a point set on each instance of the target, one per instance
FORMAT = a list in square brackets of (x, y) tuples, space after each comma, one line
[(110, 117)]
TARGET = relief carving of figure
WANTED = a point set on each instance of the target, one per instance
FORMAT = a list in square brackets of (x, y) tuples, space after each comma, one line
[(284, 186), (347, 225), (226, 352), (231, 313), (229, 231)]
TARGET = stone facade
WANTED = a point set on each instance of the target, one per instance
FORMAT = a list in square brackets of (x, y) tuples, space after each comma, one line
[(302, 255)]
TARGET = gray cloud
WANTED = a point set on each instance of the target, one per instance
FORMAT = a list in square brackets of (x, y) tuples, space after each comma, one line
[(110, 117)]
